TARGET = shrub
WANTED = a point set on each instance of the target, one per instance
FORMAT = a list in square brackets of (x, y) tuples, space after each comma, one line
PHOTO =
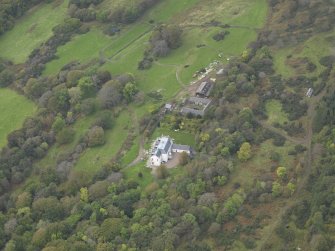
[(221, 35), (6, 78), (327, 61), (96, 136), (278, 140), (65, 136), (104, 120)]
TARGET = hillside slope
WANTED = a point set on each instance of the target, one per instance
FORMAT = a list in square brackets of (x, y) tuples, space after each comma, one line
[(75, 176)]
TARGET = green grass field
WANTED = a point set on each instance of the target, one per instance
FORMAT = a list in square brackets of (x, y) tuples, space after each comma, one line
[(125, 50), (82, 48), (14, 108), (163, 74), (31, 30), (132, 153), (275, 113), (93, 158), (80, 127), (131, 173), (261, 161), (314, 48)]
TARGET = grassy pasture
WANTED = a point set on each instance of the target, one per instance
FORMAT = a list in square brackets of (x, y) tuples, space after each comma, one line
[(14, 108), (87, 46), (124, 51), (31, 30), (163, 74), (80, 127), (314, 48), (93, 158), (262, 158), (132, 153), (82, 48), (275, 113)]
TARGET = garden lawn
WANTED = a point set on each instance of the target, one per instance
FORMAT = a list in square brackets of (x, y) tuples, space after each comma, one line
[(14, 109), (93, 158), (275, 113), (131, 173), (31, 30)]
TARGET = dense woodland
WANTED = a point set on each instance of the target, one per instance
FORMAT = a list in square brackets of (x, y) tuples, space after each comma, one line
[(63, 210)]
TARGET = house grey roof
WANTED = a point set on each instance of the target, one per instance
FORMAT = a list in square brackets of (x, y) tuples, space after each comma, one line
[(181, 147), (158, 153), (168, 106), (164, 144), (167, 146)]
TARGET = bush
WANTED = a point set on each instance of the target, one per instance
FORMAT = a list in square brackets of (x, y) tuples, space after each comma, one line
[(221, 35), (65, 136), (105, 120), (145, 64), (96, 136), (327, 61), (249, 243), (88, 106), (183, 158), (162, 172), (6, 78), (278, 140)]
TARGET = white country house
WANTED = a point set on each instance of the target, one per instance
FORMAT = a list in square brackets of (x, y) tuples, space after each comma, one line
[(163, 148)]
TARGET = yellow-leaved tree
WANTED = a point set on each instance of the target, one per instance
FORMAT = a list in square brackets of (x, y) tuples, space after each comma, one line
[(245, 152)]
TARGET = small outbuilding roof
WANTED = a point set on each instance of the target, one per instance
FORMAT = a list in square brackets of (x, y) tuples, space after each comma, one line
[(220, 72), (168, 106), (181, 147)]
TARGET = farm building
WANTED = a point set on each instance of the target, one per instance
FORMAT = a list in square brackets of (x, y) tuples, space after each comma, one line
[(309, 92), (176, 148), (163, 148), (204, 89), (168, 107), (196, 106)]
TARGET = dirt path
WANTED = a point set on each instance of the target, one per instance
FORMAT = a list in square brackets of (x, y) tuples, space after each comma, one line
[(141, 153), (109, 59), (301, 141)]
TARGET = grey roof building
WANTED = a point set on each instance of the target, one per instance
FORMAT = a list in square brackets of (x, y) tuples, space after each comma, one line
[(181, 148), (196, 106), (204, 89)]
